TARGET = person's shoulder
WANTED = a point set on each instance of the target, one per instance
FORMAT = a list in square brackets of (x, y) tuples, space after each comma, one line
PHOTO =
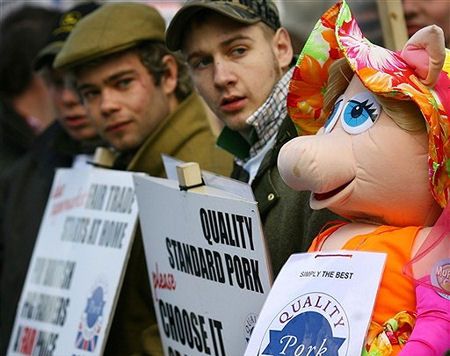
[(286, 132), (22, 164), (40, 154), (43, 144), (287, 128)]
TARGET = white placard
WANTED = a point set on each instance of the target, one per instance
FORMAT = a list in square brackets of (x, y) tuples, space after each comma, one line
[(207, 265), (77, 266), (320, 304)]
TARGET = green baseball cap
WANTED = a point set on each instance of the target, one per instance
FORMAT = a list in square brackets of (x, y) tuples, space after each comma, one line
[(244, 11), (111, 28)]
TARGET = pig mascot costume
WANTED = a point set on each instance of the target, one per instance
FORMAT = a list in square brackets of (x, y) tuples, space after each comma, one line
[(381, 158)]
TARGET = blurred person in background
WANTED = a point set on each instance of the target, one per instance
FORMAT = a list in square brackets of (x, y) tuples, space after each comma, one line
[(421, 13), (299, 17), (25, 105), (70, 140)]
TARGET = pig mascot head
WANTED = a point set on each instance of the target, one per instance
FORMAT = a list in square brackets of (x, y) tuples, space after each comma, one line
[(381, 158)]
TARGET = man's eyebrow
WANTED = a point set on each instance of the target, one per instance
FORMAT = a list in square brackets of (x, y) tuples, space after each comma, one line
[(108, 80), (194, 55), (117, 75), (224, 43), (81, 87)]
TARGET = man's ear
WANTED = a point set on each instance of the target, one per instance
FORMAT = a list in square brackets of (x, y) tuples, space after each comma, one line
[(425, 53), (282, 47), (169, 80)]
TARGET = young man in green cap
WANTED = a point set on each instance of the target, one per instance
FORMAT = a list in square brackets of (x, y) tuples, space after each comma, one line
[(24, 189), (141, 100), (240, 59)]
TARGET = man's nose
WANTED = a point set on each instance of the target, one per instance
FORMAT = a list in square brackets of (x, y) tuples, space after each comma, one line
[(408, 7), (108, 102), (223, 74), (69, 97)]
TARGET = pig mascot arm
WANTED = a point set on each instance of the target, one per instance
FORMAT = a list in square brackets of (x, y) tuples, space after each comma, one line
[(425, 52)]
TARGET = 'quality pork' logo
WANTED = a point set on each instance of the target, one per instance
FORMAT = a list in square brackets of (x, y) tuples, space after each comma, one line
[(312, 324), (92, 319)]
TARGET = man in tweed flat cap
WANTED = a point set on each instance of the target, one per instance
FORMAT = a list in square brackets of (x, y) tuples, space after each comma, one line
[(142, 102), (240, 59)]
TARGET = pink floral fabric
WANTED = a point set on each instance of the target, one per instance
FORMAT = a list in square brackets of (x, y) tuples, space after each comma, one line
[(383, 72)]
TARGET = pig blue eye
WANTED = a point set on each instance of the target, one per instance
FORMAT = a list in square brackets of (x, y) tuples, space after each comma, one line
[(334, 115), (360, 113)]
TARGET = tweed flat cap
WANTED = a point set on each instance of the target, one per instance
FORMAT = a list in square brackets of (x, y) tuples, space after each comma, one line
[(243, 11), (110, 29)]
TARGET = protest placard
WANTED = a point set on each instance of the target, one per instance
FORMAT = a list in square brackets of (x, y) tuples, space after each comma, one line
[(320, 304), (77, 266), (207, 265)]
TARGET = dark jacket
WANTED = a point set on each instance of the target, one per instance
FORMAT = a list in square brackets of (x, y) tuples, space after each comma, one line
[(16, 137), (289, 224), (24, 191), (185, 135)]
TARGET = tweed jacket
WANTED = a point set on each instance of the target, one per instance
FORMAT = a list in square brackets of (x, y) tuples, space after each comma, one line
[(185, 135)]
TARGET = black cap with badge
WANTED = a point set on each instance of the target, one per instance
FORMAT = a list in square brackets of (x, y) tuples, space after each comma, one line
[(61, 31)]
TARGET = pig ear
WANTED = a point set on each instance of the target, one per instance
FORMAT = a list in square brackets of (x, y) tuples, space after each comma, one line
[(425, 53)]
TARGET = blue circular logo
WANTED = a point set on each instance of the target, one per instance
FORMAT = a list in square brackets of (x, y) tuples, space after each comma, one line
[(312, 324), (91, 322)]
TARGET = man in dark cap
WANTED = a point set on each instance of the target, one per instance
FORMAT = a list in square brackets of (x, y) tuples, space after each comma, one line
[(25, 188), (141, 100), (241, 61)]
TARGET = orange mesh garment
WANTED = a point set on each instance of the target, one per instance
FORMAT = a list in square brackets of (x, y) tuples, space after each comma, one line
[(396, 292)]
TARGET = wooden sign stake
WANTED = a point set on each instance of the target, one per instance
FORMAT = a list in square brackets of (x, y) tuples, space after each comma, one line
[(393, 23), (189, 175)]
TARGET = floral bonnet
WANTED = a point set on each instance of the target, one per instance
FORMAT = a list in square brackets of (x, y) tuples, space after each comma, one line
[(383, 72)]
